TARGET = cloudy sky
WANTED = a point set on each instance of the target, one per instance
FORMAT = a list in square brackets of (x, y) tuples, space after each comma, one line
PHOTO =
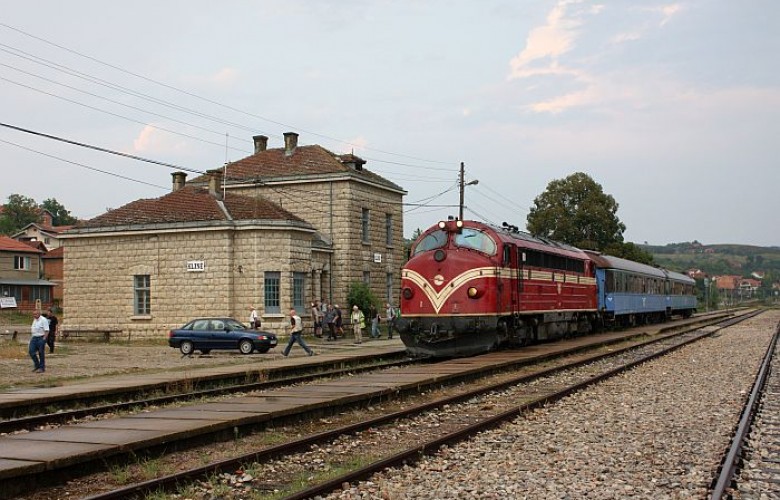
[(672, 107)]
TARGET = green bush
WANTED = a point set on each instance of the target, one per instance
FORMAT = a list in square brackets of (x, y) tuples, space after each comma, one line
[(361, 295)]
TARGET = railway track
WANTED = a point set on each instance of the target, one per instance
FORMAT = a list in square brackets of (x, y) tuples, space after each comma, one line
[(127, 401), (456, 417), (751, 466), (69, 407)]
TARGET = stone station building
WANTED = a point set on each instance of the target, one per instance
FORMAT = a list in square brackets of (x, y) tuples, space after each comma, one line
[(276, 230)]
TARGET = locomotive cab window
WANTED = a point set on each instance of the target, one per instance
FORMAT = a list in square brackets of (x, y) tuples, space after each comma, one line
[(477, 240), (436, 239)]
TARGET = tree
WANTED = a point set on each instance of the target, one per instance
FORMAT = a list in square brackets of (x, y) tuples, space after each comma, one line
[(60, 215), (630, 251), (575, 210), (17, 213), (408, 243)]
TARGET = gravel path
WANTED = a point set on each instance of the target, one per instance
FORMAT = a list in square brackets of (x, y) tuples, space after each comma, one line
[(656, 432)]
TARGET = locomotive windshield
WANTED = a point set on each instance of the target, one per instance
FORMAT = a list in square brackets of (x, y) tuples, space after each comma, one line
[(471, 238), (436, 239)]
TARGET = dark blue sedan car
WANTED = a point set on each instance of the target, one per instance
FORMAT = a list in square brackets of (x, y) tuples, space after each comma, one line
[(205, 334)]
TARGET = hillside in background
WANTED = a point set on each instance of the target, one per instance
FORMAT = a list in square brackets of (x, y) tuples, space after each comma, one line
[(714, 260)]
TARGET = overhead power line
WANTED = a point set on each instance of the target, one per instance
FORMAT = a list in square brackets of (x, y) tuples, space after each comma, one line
[(216, 103), (122, 116), (82, 165), (98, 148)]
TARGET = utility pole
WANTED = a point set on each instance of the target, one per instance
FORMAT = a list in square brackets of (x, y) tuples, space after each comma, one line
[(462, 189), (462, 182)]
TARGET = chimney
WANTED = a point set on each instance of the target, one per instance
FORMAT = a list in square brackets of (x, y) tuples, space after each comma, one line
[(46, 218), (290, 143), (352, 161), (179, 178), (215, 183), (261, 143)]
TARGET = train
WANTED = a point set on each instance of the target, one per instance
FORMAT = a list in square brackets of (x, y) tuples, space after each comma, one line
[(471, 287)]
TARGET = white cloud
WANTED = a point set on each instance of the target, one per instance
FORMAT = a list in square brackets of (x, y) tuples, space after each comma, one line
[(152, 140), (225, 77), (668, 11), (356, 145), (561, 103), (546, 42), (626, 37)]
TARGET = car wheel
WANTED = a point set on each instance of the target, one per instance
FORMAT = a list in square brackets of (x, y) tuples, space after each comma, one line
[(262, 350), (186, 347), (205, 351), (246, 346)]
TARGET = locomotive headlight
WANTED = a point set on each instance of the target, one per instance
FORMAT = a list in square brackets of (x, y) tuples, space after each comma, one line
[(459, 223), (408, 293), (474, 292), (442, 224)]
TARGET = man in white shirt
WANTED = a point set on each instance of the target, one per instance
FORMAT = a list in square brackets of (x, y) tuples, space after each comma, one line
[(37, 349), (296, 334)]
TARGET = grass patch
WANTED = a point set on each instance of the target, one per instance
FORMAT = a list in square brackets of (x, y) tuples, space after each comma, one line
[(13, 351)]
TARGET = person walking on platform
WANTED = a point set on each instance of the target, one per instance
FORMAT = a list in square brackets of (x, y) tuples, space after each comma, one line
[(390, 317), (296, 334), (37, 349), (358, 323), (330, 321), (339, 322), (316, 318), (53, 321), (374, 315)]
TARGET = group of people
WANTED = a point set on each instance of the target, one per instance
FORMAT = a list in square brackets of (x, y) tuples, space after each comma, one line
[(324, 315), (43, 332)]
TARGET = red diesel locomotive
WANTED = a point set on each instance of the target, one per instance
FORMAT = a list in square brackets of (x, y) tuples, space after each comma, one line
[(469, 287)]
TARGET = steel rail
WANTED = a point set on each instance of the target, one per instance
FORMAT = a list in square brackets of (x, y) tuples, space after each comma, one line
[(415, 453), (731, 460), (32, 421), (170, 482)]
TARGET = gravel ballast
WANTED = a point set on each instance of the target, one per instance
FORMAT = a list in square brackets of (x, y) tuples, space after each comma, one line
[(658, 431)]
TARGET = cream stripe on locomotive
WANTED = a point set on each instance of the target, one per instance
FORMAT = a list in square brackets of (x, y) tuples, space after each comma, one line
[(438, 299)]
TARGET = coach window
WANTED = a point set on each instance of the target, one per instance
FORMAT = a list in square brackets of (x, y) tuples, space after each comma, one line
[(471, 238), (436, 239), (507, 255)]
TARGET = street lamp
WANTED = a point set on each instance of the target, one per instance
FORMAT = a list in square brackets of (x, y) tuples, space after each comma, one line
[(463, 188)]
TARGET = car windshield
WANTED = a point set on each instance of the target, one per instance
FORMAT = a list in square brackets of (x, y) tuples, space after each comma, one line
[(472, 238), (436, 239)]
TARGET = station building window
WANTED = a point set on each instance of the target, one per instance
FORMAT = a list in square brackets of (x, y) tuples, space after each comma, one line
[(299, 285), (142, 295), (364, 227), (271, 287)]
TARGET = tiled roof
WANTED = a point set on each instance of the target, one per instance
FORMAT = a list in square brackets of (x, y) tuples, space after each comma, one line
[(189, 204), (57, 253), (305, 161), (11, 245), (54, 229)]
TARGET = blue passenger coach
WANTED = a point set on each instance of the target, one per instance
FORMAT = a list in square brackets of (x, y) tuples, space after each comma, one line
[(630, 293)]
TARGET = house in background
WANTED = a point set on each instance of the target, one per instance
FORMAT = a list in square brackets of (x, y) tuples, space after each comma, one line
[(45, 236), (44, 231), (276, 230), (21, 277)]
